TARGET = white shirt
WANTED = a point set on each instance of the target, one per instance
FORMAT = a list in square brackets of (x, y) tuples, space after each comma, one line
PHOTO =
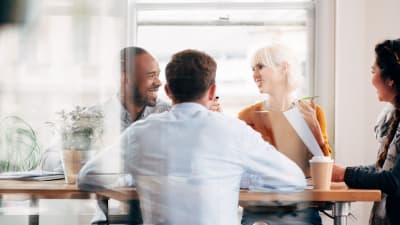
[(188, 164)]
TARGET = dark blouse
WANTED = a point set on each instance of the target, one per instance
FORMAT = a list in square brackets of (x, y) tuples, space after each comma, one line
[(386, 179)]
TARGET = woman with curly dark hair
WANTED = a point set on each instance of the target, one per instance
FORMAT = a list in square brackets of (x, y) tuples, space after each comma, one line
[(385, 173)]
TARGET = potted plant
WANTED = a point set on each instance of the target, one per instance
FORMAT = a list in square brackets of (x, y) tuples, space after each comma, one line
[(79, 129)]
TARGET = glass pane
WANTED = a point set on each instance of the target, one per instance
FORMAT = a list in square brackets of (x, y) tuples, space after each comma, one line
[(62, 57), (232, 47)]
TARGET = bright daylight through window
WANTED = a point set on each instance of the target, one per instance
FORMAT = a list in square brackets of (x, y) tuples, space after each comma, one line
[(230, 31)]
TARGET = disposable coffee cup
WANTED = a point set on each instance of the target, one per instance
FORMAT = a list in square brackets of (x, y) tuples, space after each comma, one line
[(321, 172)]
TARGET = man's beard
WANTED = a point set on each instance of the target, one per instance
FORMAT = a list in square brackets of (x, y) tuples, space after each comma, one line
[(140, 99)]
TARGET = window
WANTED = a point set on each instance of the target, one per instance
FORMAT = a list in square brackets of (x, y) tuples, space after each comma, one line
[(67, 52), (230, 31), (63, 56)]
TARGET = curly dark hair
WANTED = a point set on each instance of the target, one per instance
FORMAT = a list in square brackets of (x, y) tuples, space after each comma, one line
[(190, 73), (388, 61)]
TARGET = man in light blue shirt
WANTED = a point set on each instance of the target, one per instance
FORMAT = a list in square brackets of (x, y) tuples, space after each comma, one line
[(187, 163)]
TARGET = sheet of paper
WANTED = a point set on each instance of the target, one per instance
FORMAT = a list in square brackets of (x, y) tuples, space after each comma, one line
[(34, 175), (300, 126)]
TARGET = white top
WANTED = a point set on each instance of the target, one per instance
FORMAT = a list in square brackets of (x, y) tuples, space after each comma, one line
[(188, 163)]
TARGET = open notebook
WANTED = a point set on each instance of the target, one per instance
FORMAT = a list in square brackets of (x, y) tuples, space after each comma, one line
[(290, 135)]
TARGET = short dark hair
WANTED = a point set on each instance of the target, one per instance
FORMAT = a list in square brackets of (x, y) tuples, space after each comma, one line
[(127, 54), (190, 73)]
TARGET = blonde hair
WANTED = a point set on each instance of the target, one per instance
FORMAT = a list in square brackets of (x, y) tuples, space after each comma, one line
[(274, 56)]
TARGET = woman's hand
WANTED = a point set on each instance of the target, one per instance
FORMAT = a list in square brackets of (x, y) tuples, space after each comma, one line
[(338, 173), (214, 105), (308, 111)]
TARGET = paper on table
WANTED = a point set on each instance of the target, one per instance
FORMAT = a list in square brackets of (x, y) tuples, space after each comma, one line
[(298, 123), (278, 131), (33, 175)]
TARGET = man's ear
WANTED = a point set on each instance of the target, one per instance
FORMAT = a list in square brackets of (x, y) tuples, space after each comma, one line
[(211, 92), (389, 83), (168, 92)]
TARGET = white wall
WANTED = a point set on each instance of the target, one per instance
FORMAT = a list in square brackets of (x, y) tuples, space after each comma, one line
[(360, 24), (324, 62)]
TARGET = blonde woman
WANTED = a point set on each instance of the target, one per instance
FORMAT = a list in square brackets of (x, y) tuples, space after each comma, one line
[(277, 73)]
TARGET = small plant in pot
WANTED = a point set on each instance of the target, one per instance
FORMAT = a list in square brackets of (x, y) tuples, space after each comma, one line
[(79, 129)]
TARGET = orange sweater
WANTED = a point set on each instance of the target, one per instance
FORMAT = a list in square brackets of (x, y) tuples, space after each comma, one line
[(246, 113)]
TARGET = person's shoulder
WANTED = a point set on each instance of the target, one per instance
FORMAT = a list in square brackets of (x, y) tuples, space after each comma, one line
[(383, 121), (147, 124), (254, 107), (154, 116), (318, 109), (162, 102), (246, 111), (386, 114), (230, 122), (161, 106)]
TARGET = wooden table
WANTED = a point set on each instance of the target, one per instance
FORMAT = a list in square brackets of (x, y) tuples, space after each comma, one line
[(56, 189), (339, 194), (35, 190)]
